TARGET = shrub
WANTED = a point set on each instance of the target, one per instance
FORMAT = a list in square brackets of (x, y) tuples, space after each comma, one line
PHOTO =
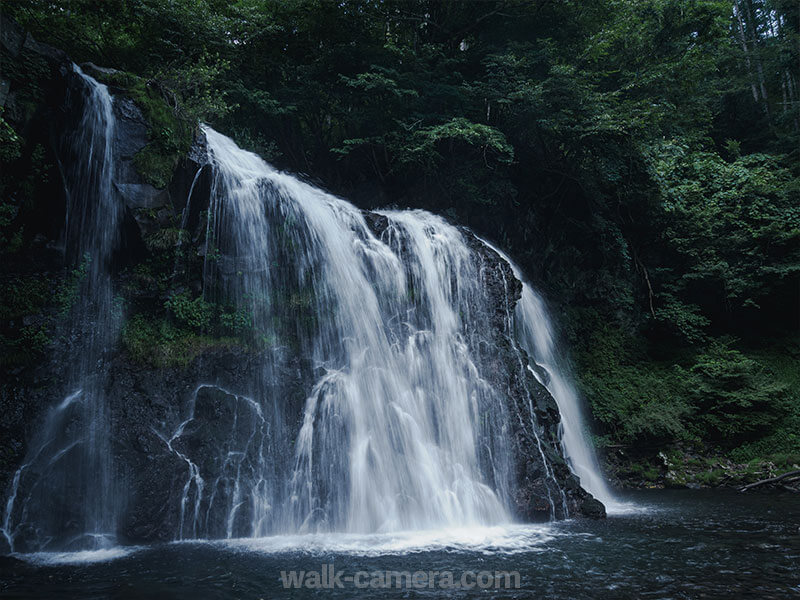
[(736, 397), (196, 313), (633, 401)]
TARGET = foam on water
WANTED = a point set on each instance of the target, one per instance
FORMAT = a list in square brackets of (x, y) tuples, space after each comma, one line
[(506, 539), (78, 558)]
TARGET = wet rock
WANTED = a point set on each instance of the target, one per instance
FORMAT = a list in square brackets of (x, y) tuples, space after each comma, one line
[(545, 485), (130, 134), (592, 508)]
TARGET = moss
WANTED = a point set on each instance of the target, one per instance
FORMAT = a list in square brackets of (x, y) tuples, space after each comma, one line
[(710, 478), (154, 166), (161, 344)]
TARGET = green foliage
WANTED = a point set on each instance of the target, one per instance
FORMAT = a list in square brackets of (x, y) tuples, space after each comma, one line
[(733, 229), (633, 400), (10, 142), (24, 329), (29, 74), (736, 397), (22, 296), (196, 313), (644, 471), (160, 344), (23, 299), (165, 240), (710, 478), (684, 318), (488, 140), (235, 321), (746, 404), (21, 178), (199, 315), (781, 442), (28, 345)]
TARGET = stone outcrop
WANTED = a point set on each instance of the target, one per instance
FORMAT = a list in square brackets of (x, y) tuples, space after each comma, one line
[(545, 484)]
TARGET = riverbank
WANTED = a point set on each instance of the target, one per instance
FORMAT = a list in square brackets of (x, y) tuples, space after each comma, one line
[(679, 468)]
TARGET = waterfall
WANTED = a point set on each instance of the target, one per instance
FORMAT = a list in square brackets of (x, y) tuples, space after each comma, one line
[(400, 430), (535, 333), (388, 386), (65, 493)]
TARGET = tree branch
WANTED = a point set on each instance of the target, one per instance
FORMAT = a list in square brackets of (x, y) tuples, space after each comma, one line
[(771, 480)]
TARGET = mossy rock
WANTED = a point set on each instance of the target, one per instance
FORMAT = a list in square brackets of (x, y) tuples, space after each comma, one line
[(161, 344), (169, 135)]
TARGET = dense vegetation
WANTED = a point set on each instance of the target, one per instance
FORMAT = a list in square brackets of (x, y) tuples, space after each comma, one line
[(638, 159)]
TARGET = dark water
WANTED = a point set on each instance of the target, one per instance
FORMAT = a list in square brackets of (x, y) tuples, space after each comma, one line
[(684, 544)]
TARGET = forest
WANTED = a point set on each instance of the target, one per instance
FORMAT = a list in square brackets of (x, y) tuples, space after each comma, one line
[(640, 160)]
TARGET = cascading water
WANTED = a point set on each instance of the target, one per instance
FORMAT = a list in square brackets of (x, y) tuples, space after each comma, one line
[(387, 388), (535, 334), (400, 431), (65, 494), (537, 338)]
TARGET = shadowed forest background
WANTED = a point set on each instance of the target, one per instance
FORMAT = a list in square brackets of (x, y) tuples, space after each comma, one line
[(639, 159)]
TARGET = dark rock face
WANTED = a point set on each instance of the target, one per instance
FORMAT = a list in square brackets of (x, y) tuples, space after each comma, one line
[(152, 209), (545, 483), (162, 418), (148, 406), (592, 508)]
